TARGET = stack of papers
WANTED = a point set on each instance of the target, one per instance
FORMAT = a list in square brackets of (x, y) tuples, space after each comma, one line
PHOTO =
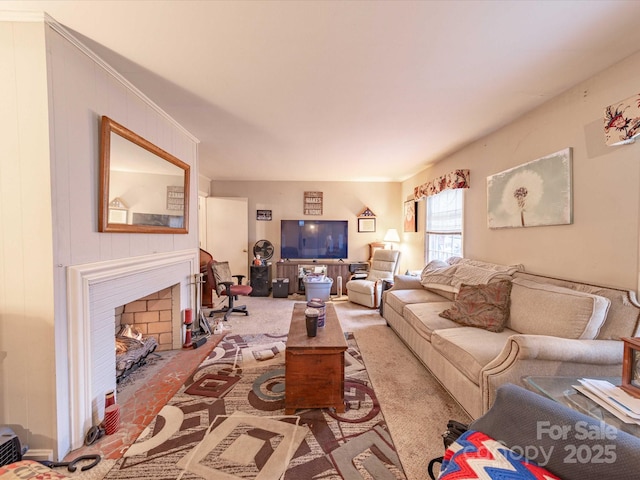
[(615, 400)]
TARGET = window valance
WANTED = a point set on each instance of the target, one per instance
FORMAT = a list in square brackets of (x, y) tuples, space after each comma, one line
[(455, 179)]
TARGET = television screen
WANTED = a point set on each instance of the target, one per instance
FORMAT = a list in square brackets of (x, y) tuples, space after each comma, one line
[(311, 239)]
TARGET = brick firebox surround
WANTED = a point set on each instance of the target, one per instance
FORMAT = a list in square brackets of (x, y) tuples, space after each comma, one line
[(151, 316)]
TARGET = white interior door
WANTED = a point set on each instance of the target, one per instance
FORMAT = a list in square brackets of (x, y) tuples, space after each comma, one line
[(228, 232)]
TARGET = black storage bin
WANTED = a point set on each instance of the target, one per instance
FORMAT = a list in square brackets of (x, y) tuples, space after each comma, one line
[(280, 287)]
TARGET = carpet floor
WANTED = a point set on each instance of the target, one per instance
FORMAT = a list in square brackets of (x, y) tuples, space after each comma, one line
[(228, 421), (414, 405)]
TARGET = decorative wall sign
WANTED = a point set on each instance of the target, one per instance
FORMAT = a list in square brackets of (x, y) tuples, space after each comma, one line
[(536, 193), (264, 215), (410, 217), (312, 203), (175, 198)]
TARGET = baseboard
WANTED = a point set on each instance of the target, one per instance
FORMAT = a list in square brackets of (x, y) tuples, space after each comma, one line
[(38, 455)]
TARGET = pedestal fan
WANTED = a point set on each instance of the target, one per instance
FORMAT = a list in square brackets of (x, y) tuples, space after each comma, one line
[(264, 248)]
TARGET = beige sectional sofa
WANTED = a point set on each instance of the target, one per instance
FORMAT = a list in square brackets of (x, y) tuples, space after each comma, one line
[(555, 327)]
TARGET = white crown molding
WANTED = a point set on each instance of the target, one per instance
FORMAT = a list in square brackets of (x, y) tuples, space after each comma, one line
[(16, 16)]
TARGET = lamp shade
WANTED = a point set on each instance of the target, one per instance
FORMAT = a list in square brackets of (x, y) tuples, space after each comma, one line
[(392, 235), (622, 121)]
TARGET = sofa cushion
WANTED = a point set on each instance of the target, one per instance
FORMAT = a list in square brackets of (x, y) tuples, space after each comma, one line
[(397, 299), (469, 349), (482, 306), (446, 292), (622, 317), (425, 317), (544, 309), (362, 286)]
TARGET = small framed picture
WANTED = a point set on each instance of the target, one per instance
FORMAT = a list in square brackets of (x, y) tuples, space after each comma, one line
[(366, 224), (410, 218), (117, 215), (263, 215)]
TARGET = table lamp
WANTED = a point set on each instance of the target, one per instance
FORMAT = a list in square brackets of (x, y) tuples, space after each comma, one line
[(392, 237)]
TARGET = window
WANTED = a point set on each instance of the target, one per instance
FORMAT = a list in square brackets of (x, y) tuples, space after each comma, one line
[(444, 225)]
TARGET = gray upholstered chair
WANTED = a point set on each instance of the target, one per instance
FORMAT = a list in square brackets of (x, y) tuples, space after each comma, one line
[(367, 291), (522, 419)]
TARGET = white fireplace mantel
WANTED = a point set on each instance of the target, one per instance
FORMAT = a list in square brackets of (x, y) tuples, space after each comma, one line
[(94, 291)]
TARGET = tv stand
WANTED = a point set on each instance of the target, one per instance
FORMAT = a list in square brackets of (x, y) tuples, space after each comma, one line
[(290, 268)]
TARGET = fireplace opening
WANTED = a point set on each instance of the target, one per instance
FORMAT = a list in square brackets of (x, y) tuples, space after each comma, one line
[(142, 327), (132, 350)]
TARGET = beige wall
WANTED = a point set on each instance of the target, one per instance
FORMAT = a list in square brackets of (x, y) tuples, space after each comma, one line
[(342, 201), (55, 91), (601, 246), (27, 359)]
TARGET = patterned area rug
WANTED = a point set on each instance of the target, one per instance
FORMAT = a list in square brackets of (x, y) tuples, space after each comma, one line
[(228, 422)]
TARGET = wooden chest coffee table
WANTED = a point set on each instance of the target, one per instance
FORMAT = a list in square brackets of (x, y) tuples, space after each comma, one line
[(314, 366)]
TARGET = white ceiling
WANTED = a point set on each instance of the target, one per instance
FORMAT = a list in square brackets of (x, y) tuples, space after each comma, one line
[(347, 90)]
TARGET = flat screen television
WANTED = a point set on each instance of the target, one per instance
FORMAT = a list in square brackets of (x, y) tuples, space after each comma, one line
[(314, 239)]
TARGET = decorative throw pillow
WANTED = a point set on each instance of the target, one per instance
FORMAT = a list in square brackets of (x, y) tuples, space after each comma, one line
[(476, 455), (483, 306)]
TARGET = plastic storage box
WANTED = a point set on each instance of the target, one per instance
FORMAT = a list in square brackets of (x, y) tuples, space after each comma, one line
[(280, 287), (317, 288)]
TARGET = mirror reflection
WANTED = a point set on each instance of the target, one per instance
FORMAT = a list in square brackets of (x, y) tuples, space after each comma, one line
[(144, 188)]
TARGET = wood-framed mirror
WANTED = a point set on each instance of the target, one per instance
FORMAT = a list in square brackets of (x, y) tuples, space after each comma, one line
[(143, 189)]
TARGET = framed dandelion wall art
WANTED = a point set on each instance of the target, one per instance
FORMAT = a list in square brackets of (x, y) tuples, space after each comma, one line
[(533, 194)]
